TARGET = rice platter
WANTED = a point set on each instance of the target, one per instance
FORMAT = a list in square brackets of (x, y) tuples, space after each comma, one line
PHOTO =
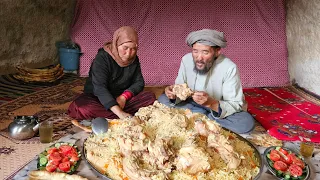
[(166, 143)]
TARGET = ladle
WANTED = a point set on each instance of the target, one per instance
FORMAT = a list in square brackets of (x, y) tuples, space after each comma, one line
[(99, 125)]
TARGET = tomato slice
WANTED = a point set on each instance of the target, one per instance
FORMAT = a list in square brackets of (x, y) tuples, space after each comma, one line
[(52, 150), (74, 158), (279, 165), (295, 170), (65, 166), (274, 156), (51, 167), (55, 157), (274, 152), (65, 149), (288, 161), (56, 163), (283, 151), (296, 160), (65, 159)]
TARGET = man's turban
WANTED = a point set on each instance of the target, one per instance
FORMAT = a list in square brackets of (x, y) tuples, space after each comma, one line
[(207, 37)]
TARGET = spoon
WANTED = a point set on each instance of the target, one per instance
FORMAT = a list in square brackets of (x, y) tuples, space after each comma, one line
[(99, 125)]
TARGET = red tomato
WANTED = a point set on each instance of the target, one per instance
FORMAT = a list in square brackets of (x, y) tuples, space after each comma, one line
[(65, 149), (65, 159), (288, 160), (295, 170), (72, 153), (74, 158), (274, 152), (55, 156), (283, 151), (65, 166), (52, 150), (279, 165), (56, 163), (296, 160), (274, 156), (51, 168)]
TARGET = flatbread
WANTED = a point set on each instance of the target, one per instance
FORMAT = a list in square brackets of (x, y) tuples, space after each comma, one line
[(264, 140), (45, 175)]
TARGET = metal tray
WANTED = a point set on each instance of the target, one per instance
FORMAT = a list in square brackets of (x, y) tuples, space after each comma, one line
[(256, 152), (306, 170)]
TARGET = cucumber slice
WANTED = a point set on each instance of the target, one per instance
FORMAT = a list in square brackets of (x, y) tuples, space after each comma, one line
[(303, 176), (271, 164), (57, 145), (279, 173), (278, 148), (287, 176), (42, 155), (43, 161), (268, 155), (70, 144)]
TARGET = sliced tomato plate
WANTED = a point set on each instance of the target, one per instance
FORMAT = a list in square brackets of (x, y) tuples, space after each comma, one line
[(286, 164), (60, 157)]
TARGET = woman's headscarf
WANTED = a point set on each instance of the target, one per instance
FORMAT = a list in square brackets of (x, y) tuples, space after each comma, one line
[(120, 36)]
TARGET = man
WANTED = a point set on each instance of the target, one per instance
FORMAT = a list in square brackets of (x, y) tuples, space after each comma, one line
[(215, 81)]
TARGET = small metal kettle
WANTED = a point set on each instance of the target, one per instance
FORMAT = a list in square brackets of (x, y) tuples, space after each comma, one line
[(23, 127)]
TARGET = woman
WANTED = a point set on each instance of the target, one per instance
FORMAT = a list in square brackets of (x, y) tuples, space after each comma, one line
[(115, 83)]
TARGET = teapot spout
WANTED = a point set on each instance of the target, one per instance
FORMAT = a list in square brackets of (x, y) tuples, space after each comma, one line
[(36, 127)]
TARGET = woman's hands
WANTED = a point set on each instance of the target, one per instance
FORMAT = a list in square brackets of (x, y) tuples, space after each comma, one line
[(121, 100), (169, 92), (118, 109)]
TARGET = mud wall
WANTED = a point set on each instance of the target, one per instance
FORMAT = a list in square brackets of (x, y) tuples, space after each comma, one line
[(303, 41), (30, 29)]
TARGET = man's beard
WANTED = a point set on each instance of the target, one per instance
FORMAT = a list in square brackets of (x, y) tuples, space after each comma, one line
[(206, 68)]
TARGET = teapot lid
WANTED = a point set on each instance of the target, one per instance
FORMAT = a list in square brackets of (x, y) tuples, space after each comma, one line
[(24, 119)]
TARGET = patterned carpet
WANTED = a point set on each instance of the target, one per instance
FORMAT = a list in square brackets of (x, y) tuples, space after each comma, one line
[(47, 101), (287, 113)]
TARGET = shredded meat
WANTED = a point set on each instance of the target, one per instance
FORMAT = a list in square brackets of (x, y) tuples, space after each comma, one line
[(182, 91)]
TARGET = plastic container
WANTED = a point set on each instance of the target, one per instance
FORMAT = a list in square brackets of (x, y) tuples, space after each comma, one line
[(69, 58)]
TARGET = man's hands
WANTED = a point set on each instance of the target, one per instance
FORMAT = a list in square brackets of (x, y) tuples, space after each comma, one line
[(201, 97), (169, 92), (204, 99)]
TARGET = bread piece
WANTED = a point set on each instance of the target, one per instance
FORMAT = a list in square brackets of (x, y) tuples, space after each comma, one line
[(45, 175)]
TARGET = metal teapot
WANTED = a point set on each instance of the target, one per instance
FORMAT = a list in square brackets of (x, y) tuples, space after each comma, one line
[(23, 127)]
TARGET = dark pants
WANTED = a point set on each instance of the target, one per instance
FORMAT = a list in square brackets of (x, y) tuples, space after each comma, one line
[(88, 106), (241, 122)]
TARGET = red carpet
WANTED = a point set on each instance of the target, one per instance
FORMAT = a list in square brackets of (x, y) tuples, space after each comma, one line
[(285, 113)]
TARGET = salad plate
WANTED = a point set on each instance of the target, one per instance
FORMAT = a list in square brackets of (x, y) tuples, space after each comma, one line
[(286, 164), (59, 157)]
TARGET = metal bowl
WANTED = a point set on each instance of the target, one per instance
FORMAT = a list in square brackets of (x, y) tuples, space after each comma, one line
[(256, 153), (306, 170)]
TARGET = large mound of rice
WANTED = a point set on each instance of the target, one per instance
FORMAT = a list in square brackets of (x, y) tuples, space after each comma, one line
[(159, 121)]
